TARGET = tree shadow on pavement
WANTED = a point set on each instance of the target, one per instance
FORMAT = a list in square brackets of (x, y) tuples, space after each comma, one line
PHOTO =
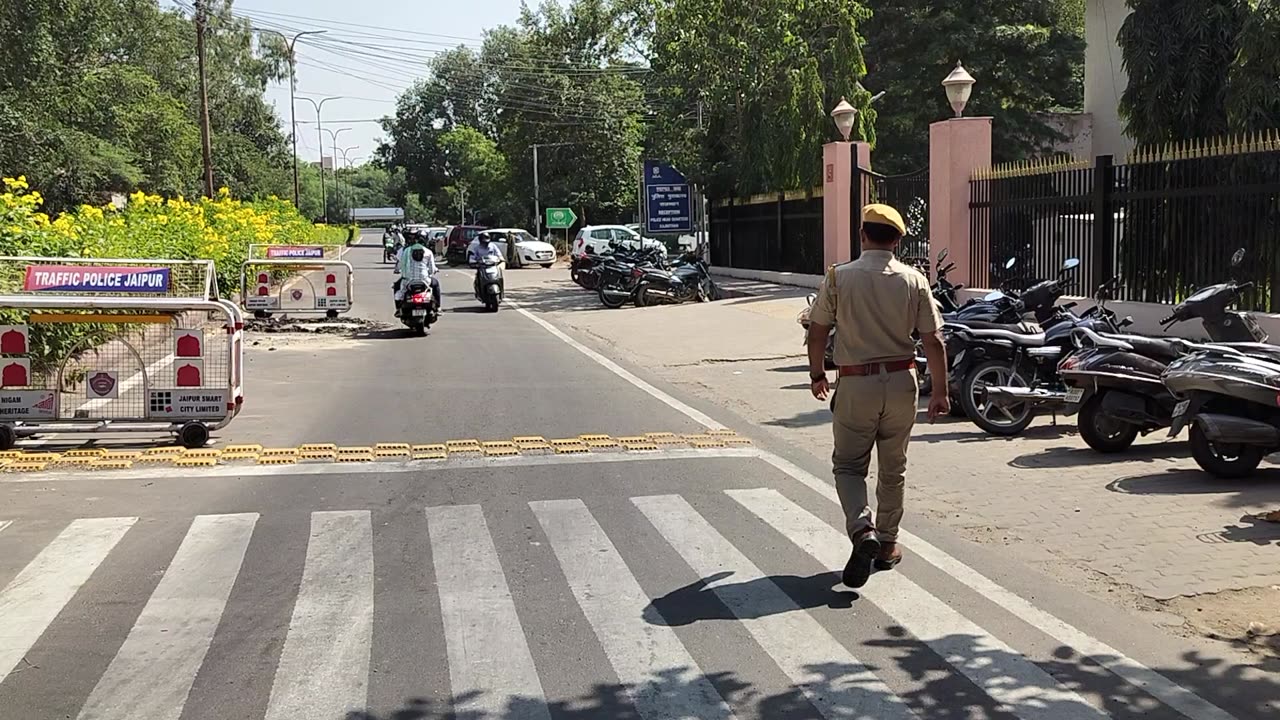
[(977, 434), (1258, 490), (555, 297), (695, 601), (928, 686), (1076, 456)]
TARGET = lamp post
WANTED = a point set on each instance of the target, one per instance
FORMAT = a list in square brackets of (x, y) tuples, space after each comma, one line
[(324, 205), (959, 85), (333, 136), (346, 163), (293, 85), (844, 116), (537, 203)]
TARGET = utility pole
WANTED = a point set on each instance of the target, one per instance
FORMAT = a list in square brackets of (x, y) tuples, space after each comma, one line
[(293, 86), (537, 199), (462, 203), (334, 137), (206, 144), (324, 203)]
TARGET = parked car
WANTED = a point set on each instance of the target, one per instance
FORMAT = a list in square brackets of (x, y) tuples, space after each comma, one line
[(460, 237), (600, 239), (532, 251)]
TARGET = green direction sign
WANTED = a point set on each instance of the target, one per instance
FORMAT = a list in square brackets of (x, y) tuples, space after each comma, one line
[(560, 218)]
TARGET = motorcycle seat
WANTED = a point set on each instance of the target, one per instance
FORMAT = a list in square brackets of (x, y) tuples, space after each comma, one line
[(1019, 327), (1155, 348)]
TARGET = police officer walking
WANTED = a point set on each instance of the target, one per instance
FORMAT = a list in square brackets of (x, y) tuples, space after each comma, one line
[(875, 303)]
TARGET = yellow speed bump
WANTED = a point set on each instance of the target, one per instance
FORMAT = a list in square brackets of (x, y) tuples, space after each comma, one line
[(355, 450), (463, 446), (25, 466), (734, 440), (239, 455), (723, 432), (197, 461), (366, 456), (277, 459), (596, 444), (253, 448), (317, 447), (667, 440), (278, 452), (156, 459), (501, 451), (330, 454), (594, 436), (77, 461), (202, 453), (105, 464), (389, 450), (640, 445), (707, 443), (531, 442), (655, 435), (41, 457), (10, 454), (571, 449), (430, 455), (122, 455), (167, 450), (85, 452)]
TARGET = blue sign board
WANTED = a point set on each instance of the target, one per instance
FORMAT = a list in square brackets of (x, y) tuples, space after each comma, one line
[(668, 202)]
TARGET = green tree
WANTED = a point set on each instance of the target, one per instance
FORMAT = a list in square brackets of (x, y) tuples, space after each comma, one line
[(1027, 58), (1200, 69)]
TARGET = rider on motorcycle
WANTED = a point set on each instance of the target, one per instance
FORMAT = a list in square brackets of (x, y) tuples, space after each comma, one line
[(477, 253), (416, 263)]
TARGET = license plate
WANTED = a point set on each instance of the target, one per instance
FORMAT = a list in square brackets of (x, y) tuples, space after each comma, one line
[(1075, 394), (1181, 408), (420, 313)]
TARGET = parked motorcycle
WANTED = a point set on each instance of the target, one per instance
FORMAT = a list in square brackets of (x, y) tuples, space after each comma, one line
[(620, 275), (803, 319), (418, 308), (584, 269), (489, 286), (1010, 372), (688, 280), (1118, 377)]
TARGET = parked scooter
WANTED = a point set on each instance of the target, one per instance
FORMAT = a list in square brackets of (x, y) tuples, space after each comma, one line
[(489, 287), (1118, 377), (688, 280), (418, 308)]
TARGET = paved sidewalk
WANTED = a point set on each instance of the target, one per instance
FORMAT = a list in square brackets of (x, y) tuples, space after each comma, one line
[(1143, 528)]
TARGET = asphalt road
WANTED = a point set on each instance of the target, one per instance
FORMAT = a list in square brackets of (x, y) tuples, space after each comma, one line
[(669, 584)]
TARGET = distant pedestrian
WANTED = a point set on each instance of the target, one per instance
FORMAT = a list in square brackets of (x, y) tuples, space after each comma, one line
[(875, 304)]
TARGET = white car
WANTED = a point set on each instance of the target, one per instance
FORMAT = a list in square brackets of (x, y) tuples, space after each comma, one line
[(532, 251), (600, 238)]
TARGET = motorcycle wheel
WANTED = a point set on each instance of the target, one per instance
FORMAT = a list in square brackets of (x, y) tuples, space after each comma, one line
[(1223, 460), (1101, 431), (1004, 421), (613, 302)]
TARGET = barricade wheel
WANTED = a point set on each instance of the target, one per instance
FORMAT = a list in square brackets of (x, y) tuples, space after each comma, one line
[(7, 437), (193, 435)]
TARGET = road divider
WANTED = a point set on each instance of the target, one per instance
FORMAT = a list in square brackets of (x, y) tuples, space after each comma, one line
[(100, 459)]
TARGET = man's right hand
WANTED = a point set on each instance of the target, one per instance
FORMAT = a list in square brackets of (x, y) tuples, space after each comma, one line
[(820, 388), (939, 404)]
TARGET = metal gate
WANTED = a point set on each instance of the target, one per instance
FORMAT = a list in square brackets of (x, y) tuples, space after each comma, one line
[(909, 194), (296, 279)]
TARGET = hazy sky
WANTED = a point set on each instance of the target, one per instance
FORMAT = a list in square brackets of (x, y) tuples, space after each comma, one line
[(327, 64)]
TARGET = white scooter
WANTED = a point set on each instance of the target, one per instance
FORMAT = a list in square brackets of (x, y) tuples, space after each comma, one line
[(489, 287)]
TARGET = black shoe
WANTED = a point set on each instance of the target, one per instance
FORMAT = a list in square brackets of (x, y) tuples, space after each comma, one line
[(858, 569)]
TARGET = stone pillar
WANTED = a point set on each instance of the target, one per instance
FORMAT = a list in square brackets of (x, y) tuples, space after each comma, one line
[(841, 215), (957, 147)]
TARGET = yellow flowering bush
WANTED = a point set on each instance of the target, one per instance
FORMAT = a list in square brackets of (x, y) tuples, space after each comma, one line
[(149, 226)]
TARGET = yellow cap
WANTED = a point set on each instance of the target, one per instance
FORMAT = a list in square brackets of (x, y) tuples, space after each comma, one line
[(884, 215)]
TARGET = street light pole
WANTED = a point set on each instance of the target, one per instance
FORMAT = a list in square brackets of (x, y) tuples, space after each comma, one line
[(324, 204), (334, 137), (347, 163), (537, 200), (293, 86)]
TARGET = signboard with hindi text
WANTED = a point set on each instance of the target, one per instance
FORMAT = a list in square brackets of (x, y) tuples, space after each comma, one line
[(668, 202)]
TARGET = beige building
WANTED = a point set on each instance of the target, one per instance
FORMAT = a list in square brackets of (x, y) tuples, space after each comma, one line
[(1104, 77)]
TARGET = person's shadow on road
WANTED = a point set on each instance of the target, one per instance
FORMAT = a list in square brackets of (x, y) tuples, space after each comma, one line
[(746, 600)]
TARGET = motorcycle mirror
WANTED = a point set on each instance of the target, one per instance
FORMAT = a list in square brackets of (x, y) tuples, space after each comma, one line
[(1008, 264), (1237, 258), (1071, 264), (943, 254)]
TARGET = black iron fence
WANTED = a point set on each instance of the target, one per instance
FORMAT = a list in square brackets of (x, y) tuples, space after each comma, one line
[(781, 232), (1166, 222), (909, 195)]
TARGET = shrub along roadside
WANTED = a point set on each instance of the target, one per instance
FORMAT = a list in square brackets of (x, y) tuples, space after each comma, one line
[(148, 226)]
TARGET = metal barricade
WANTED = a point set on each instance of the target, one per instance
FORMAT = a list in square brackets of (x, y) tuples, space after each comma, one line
[(93, 345), (296, 279)]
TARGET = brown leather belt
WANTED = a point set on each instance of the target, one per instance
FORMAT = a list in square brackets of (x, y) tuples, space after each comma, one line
[(874, 368)]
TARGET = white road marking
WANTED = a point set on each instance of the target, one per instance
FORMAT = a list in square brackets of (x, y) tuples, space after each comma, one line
[(4, 524), (613, 602), (324, 667), (489, 659), (1130, 670), (34, 598), (1162, 688), (797, 642), (379, 467), (1002, 672), (152, 673)]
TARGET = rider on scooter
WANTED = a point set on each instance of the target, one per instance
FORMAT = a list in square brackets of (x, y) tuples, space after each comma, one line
[(416, 263), (476, 255)]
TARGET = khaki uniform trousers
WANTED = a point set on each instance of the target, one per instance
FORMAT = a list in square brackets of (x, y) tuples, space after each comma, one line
[(869, 410)]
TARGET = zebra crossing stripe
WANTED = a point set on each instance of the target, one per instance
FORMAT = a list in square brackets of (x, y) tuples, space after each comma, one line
[(4, 524), (324, 666), (151, 675), (1002, 672), (489, 659), (795, 640), (610, 597), (34, 598)]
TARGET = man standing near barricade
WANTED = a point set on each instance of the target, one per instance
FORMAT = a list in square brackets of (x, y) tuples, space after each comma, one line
[(875, 304)]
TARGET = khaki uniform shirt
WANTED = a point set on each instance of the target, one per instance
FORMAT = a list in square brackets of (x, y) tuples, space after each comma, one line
[(875, 302)]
